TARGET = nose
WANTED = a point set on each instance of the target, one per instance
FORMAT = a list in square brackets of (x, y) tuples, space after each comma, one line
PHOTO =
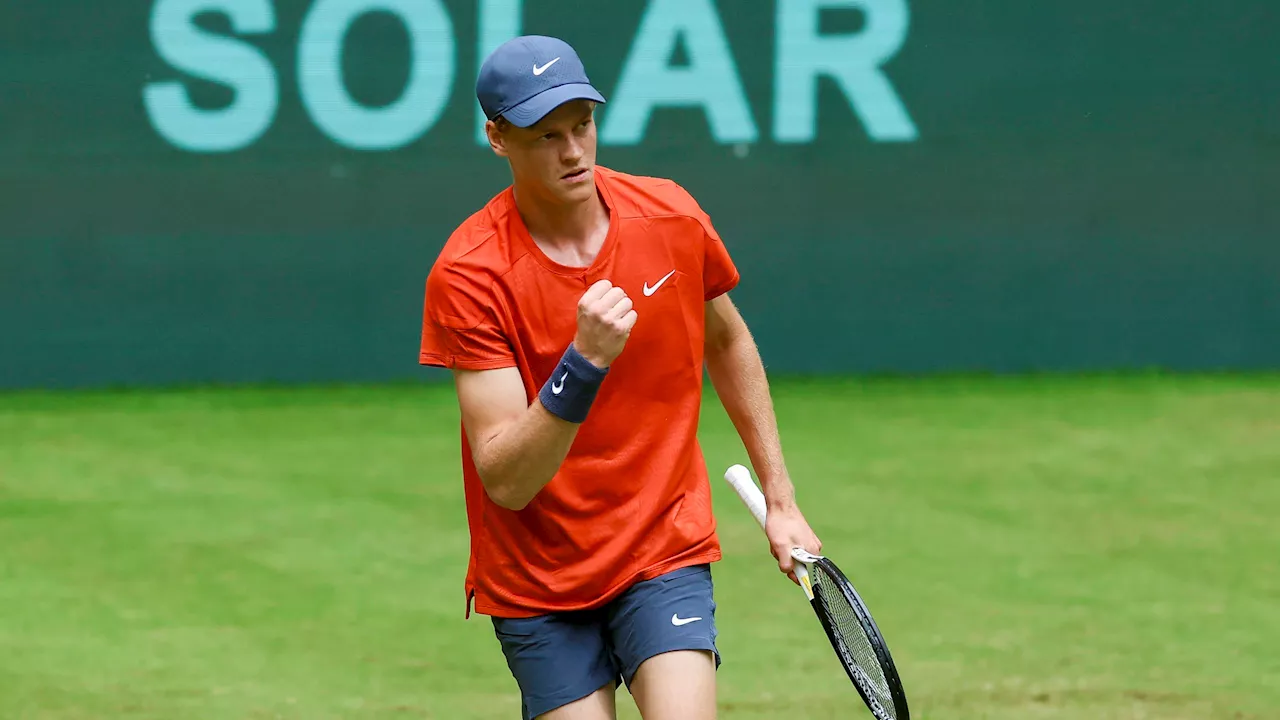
[(573, 150)]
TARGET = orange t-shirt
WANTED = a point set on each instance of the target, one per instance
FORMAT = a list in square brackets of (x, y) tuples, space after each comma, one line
[(632, 500)]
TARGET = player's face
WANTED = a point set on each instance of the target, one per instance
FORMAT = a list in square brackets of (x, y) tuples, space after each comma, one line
[(556, 157)]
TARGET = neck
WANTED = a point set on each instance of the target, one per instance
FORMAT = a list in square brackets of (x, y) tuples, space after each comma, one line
[(560, 225)]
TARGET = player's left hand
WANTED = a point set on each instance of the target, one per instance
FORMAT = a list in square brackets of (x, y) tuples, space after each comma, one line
[(786, 528)]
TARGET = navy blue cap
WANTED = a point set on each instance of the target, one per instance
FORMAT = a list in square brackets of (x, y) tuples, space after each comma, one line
[(529, 76)]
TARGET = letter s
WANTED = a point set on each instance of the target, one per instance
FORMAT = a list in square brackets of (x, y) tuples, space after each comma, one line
[(220, 59)]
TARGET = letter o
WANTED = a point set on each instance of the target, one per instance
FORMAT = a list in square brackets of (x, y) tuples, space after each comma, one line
[(325, 96)]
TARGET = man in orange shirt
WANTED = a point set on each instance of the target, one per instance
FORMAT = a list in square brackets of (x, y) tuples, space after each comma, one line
[(577, 309)]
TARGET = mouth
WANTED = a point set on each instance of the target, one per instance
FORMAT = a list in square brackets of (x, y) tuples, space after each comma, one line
[(576, 175)]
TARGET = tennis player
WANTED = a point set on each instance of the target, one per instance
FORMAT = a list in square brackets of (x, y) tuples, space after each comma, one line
[(576, 310)]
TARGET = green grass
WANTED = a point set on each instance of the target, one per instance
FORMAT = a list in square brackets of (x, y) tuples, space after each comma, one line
[(1032, 548)]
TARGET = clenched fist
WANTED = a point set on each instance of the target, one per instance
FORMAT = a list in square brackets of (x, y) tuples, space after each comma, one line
[(605, 319)]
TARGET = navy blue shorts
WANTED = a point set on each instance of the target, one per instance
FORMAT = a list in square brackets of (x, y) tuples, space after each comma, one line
[(563, 657)]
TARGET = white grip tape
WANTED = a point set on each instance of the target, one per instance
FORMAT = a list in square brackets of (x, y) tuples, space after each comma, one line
[(740, 478)]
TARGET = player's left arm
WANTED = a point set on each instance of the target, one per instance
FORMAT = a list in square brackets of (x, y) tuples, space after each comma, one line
[(737, 372)]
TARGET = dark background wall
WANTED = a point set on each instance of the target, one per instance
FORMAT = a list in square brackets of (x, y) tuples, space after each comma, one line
[(1086, 185)]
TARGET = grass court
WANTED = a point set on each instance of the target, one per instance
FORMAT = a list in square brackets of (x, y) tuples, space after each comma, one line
[(1056, 547)]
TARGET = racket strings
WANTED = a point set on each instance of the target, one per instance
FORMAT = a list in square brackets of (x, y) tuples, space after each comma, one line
[(852, 637)]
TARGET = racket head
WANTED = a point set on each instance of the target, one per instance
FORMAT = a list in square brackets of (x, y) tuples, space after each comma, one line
[(857, 641)]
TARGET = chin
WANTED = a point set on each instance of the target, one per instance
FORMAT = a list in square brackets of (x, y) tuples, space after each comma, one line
[(576, 192)]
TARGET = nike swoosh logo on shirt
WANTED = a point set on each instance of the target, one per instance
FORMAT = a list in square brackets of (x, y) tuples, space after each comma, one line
[(539, 70), (678, 621), (651, 290)]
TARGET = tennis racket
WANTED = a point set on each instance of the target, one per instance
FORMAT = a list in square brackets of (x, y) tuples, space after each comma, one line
[(844, 617)]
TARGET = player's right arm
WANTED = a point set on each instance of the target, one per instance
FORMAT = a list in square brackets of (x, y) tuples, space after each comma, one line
[(517, 447)]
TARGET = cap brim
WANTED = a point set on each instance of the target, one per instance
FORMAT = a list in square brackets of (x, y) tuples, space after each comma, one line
[(535, 108)]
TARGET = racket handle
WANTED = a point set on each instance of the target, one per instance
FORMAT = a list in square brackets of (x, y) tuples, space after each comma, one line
[(740, 478)]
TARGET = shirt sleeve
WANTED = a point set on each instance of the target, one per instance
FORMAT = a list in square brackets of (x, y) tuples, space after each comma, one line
[(719, 274), (460, 329)]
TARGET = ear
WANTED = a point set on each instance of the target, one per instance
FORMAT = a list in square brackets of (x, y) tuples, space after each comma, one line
[(497, 141)]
